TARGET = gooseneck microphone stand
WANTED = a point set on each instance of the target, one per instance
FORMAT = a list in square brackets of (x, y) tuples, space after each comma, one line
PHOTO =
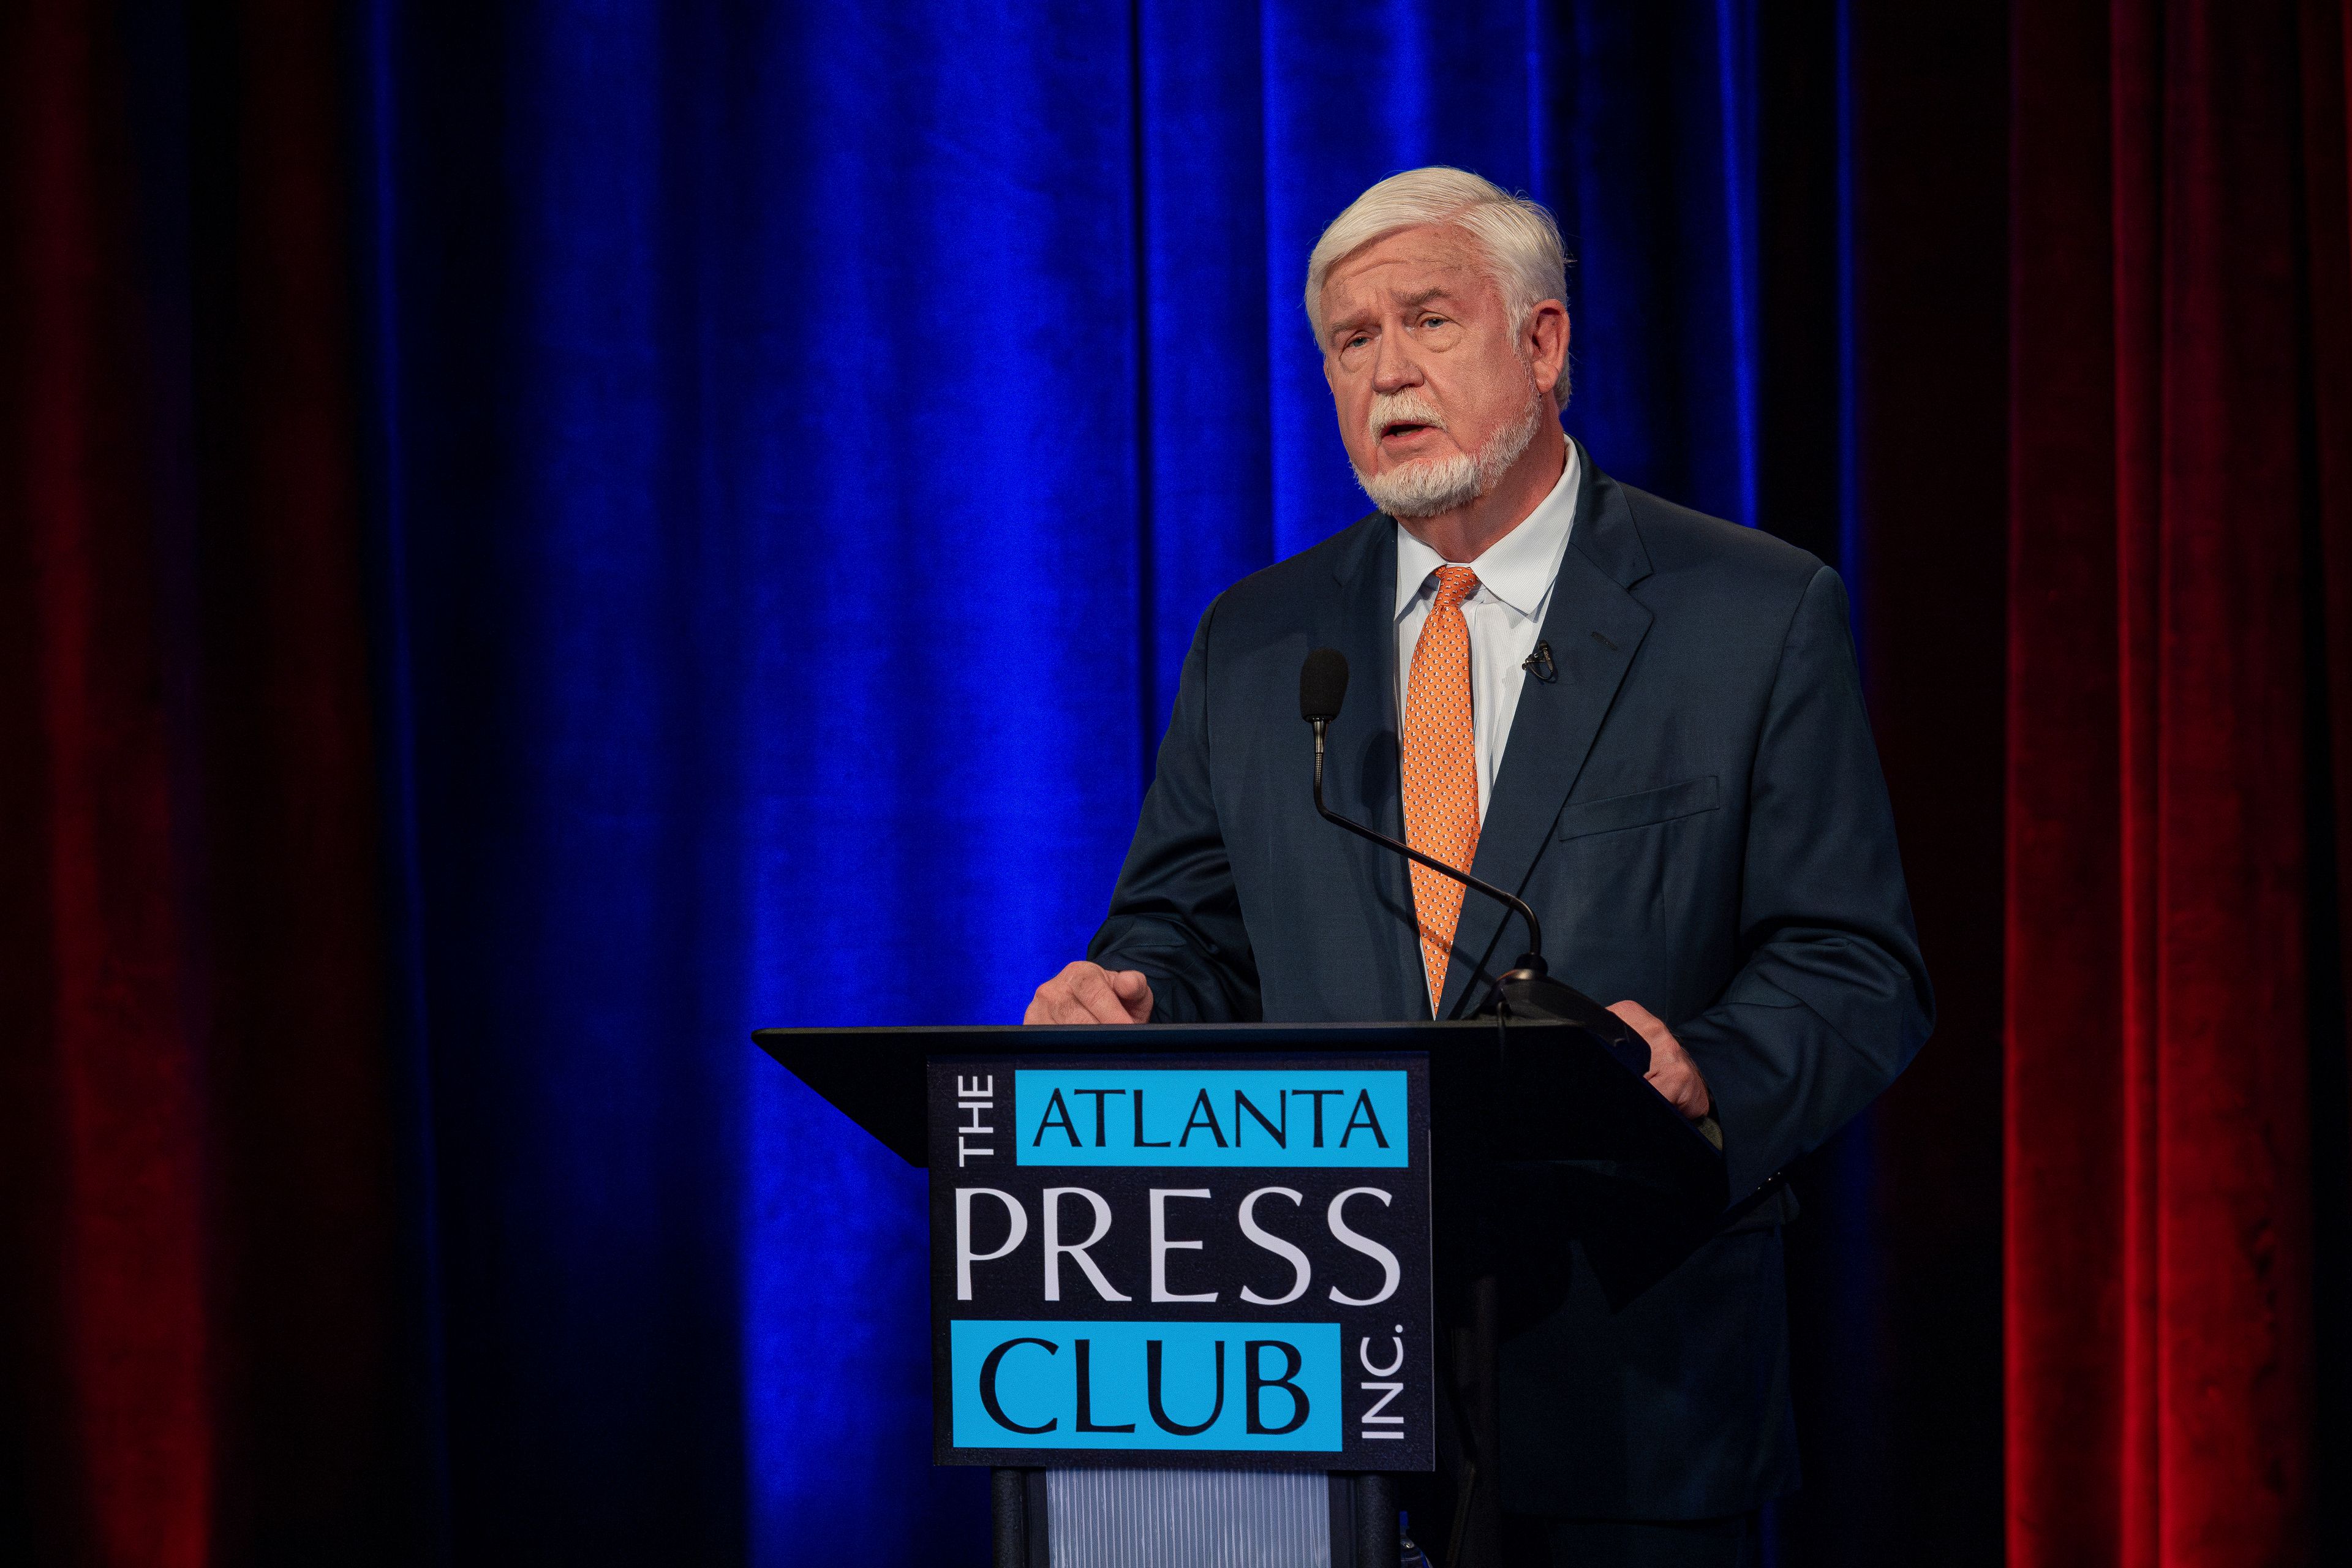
[(1525, 989)]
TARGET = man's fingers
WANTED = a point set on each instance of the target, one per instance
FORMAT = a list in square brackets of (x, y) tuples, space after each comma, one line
[(1087, 992), (1053, 1003), (1672, 1072), (1090, 986), (1684, 1090), (1646, 1024), (1134, 993), (1058, 1003)]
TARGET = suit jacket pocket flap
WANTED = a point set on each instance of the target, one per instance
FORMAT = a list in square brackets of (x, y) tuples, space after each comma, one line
[(1639, 810)]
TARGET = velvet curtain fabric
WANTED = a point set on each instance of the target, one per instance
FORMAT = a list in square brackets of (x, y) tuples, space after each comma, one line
[(104, 1145), (197, 1121), (2178, 711), (476, 637)]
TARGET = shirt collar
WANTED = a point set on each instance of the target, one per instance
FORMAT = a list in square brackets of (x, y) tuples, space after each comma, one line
[(1517, 568)]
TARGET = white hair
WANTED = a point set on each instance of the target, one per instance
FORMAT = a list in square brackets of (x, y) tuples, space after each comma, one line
[(1524, 252)]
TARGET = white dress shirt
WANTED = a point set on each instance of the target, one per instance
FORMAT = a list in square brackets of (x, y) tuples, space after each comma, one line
[(1505, 616)]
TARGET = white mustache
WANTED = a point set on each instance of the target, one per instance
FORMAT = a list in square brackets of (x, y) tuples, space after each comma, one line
[(1402, 408), (1432, 484)]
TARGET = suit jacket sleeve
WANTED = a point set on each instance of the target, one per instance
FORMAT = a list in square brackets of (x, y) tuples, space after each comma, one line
[(1832, 1000), (1175, 914)]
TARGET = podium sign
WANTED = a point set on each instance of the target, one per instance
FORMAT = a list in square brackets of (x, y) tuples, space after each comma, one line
[(1215, 1261)]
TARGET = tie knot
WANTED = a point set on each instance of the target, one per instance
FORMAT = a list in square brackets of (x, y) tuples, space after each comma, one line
[(1454, 583)]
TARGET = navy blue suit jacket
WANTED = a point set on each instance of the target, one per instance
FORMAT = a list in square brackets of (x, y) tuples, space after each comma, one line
[(1695, 810)]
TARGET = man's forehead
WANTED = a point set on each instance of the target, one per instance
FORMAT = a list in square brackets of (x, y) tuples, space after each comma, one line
[(1412, 267)]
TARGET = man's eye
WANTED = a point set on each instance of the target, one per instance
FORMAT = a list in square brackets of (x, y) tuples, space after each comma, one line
[(1359, 341), (1433, 321)]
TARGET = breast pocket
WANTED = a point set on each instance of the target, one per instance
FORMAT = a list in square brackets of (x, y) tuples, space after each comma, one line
[(1643, 808)]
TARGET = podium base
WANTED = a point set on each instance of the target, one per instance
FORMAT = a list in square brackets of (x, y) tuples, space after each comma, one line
[(1178, 1519)]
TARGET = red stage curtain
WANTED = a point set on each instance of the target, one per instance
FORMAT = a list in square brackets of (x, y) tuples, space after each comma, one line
[(201, 1317), (2170, 267), (103, 1116), (205, 1348)]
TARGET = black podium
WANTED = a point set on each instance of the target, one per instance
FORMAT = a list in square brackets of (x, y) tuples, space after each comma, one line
[(1255, 1263)]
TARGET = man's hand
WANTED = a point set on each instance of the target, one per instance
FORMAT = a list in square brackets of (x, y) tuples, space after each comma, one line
[(1672, 1072), (1088, 994)]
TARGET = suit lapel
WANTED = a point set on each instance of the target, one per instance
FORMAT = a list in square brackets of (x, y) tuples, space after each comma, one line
[(1594, 627), (1361, 778)]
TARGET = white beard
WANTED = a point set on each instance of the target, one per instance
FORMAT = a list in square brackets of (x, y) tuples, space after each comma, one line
[(1434, 485)]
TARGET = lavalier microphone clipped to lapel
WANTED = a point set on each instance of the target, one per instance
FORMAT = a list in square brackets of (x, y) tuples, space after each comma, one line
[(1540, 665)]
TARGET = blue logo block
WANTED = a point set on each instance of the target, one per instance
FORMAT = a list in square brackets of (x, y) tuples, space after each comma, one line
[(1168, 1118), (1107, 1384)]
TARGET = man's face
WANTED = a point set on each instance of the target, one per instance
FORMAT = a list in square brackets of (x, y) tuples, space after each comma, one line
[(1424, 367)]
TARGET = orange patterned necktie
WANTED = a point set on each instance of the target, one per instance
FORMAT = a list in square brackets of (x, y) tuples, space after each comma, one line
[(1441, 769)]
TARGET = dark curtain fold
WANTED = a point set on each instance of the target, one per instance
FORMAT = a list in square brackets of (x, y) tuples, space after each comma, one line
[(538, 538), (207, 1295), (112, 1449), (2325, 378), (2175, 1112), (1896, 1262)]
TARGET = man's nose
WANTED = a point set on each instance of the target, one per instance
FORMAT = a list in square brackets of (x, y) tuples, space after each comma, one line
[(1393, 366)]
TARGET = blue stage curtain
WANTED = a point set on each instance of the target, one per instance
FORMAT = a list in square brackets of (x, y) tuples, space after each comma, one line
[(535, 539), (801, 441)]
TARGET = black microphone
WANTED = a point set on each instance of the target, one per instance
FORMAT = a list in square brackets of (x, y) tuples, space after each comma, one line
[(1322, 688), (1528, 988)]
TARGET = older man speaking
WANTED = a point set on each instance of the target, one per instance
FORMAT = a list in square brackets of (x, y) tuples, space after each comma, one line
[(1645, 721)]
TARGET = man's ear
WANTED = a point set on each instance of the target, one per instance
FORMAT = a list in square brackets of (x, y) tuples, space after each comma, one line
[(1545, 339)]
